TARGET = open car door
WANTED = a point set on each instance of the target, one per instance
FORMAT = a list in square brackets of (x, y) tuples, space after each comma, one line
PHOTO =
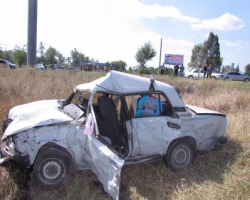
[(106, 165)]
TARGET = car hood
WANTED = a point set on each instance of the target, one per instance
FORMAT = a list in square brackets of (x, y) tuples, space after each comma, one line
[(33, 114)]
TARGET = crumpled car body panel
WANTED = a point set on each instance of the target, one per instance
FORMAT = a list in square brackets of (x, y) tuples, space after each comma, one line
[(38, 113)]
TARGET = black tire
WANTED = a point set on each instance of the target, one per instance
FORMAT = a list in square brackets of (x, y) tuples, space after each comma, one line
[(180, 154), (191, 77), (246, 80), (226, 79), (52, 167)]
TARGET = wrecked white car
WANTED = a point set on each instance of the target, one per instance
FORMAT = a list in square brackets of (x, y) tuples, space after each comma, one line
[(115, 120)]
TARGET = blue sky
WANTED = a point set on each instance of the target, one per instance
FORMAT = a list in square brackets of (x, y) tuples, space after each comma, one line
[(110, 30)]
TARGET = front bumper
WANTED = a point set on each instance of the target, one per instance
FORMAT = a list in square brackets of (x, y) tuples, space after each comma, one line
[(9, 154), (3, 158)]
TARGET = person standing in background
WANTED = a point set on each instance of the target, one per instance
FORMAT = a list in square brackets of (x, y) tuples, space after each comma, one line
[(205, 71), (182, 68), (209, 71), (176, 68), (162, 68)]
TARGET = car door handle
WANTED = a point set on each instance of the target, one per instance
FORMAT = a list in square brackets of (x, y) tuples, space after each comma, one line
[(173, 125)]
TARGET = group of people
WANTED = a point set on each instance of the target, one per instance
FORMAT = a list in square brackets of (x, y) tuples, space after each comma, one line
[(176, 69), (207, 71)]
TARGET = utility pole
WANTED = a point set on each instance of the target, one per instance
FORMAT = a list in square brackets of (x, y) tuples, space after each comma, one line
[(160, 59), (32, 33)]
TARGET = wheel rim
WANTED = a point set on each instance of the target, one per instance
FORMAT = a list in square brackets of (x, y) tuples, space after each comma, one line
[(181, 156), (52, 170)]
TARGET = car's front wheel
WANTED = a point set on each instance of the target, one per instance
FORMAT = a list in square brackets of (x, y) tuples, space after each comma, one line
[(180, 154), (246, 80), (52, 167)]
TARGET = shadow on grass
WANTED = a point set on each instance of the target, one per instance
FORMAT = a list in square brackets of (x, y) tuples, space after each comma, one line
[(155, 181), (140, 181)]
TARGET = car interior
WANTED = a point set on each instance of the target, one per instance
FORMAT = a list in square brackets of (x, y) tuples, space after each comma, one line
[(113, 110)]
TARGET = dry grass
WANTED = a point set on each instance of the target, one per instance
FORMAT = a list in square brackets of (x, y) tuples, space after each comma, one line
[(221, 174)]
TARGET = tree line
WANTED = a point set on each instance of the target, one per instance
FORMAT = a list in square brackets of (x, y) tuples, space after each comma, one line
[(52, 56), (207, 52)]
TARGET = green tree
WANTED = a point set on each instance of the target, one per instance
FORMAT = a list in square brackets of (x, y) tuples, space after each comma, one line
[(60, 58), (247, 70), (78, 57), (197, 58), (213, 50), (207, 53), (50, 55), (6, 54), (20, 55), (237, 68), (75, 57), (119, 65), (41, 51), (68, 59), (144, 54)]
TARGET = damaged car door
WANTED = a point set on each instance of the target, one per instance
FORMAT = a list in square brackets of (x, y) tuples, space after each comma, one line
[(105, 163)]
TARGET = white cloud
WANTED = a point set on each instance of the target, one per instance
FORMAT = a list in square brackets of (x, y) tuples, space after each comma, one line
[(155, 10), (225, 22), (106, 30), (231, 44)]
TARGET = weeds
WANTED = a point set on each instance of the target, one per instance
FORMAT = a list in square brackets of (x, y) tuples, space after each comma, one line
[(221, 174)]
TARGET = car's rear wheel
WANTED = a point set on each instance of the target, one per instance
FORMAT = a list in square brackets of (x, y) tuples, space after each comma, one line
[(52, 167), (180, 154)]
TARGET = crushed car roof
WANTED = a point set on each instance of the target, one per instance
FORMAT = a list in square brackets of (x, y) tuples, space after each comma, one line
[(119, 82)]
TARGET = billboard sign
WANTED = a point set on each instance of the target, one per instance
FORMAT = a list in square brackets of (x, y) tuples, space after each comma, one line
[(172, 59)]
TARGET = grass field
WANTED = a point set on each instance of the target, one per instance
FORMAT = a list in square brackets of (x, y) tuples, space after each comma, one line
[(221, 174)]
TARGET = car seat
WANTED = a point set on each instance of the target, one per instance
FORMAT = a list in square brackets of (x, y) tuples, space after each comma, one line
[(108, 121), (148, 106), (134, 103)]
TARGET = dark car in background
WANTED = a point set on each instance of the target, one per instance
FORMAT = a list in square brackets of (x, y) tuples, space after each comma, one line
[(234, 76), (6, 63), (56, 66)]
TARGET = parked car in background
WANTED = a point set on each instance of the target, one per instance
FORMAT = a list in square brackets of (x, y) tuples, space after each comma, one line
[(40, 66), (115, 120), (194, 73), (56, 66), (73, 68), (6, 63), (234, 76)]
